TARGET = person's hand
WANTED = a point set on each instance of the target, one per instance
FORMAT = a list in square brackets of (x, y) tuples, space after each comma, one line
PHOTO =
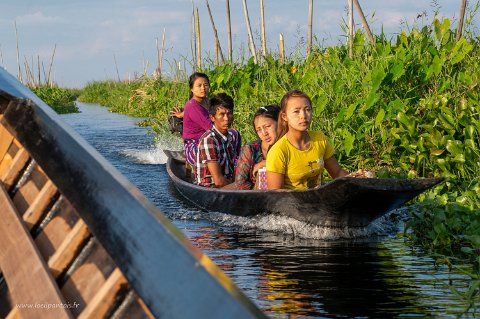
[(362, 173), (177, 112), (259, 165)]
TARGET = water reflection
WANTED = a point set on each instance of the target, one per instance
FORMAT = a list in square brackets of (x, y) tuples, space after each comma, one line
[(315, 278)]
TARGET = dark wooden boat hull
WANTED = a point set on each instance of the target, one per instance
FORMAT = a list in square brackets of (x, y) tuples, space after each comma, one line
[(343, 202)]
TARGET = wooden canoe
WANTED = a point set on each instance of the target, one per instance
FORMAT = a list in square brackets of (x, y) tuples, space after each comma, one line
[(343, 202), (78, 240)]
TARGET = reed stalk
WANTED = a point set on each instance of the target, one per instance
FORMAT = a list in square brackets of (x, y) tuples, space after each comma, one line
[(310, 19), (282, 49), (116, 67), (253, 51), (351, 32), (229, 26), (199, 53), (160, 55), (193, 43), (50, 74), (461, 17), (19, 76), (218, 46), (157, 70), (1, 57), (364, 22), (38, 69), (44, 73), (264, 38), (28, 76)]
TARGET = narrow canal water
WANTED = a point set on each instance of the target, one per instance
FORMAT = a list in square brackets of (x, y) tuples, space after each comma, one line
[(289, 269)]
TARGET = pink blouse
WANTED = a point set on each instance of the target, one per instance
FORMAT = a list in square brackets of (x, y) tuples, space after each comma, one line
[(196, 120)]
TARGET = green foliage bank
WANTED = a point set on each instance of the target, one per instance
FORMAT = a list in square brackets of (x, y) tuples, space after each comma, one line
[(407, 107), (60, 99)]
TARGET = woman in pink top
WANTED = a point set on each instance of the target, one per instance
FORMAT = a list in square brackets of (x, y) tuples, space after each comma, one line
[(196, 119)]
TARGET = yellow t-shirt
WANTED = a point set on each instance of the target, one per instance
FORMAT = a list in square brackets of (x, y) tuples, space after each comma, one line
[(302, 169)]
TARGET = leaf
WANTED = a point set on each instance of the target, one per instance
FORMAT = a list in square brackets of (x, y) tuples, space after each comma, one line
[(379, 118), (436, 152), (348, 140), (397, 71), (372, 98), (408, 123), (378, 74), (350, 110), (436, 65), (461, 49), (447, 120), (454, 147)]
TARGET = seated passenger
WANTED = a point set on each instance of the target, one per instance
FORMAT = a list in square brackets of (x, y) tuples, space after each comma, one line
[(195, 115), (297, 159), (253, 155), (195, 118), (218, 147)]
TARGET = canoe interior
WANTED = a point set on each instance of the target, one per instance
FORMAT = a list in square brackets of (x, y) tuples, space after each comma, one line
[(41, 232), (344, 202)]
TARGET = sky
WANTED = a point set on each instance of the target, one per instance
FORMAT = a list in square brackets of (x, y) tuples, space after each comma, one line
[(106, 39)]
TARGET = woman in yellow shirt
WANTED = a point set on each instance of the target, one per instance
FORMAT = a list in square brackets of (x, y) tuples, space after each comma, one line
[(297, 159)]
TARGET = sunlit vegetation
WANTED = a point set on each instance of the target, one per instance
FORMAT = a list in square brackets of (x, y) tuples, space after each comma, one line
[(406, 107), (60, 99)]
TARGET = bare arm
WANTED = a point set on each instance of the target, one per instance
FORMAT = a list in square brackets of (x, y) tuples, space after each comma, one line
[(333, 168), (274, 180), (177, 112), (217, 175)]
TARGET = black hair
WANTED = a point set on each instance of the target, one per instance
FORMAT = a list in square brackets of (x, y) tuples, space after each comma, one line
[(270, 111), (220, 100), (192, 78)]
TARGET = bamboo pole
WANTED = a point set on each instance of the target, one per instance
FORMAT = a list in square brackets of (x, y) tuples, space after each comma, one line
[(229, 25), (157, 70), (264, 38), (50, 82), (310, 19), (364, 22), (194, 38), (253, 51), (38, 69), (463, 4), (28, 73), (282, 49), (19, 76), (44, 74), (160, 56), (116, 67), (1, 57), (350, 29), (199, 54), (215, 32)]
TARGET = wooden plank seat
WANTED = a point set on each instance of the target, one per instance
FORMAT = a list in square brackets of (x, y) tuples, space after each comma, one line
[(47, 250)]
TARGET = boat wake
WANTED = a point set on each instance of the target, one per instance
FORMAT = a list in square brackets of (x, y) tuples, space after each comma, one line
[(153, 155), (386, 225)]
